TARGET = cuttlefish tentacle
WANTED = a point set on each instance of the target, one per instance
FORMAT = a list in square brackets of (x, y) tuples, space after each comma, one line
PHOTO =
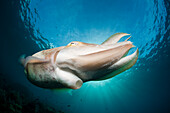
[(114, 38)]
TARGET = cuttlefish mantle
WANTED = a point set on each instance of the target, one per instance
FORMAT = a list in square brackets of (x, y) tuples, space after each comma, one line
[(72, 65)]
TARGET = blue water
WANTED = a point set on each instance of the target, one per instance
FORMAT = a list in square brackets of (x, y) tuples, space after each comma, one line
[(28, 26)]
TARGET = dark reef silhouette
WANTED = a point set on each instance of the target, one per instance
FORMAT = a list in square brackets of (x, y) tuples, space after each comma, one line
[(16, 101)]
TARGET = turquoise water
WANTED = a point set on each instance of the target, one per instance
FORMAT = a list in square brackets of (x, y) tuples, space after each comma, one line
[(28, 26)]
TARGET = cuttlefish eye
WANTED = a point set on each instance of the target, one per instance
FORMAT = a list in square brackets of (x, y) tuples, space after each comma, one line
[(73, 44)]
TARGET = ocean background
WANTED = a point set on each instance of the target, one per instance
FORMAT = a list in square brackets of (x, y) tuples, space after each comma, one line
[(29, 26)]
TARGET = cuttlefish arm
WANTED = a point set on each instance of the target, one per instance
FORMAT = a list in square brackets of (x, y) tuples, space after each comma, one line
[(98, 56), (92, 62), (115, 38), (92, 58), (122, 65)]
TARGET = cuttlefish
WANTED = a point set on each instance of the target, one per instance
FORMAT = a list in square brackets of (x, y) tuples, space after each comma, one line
[(78, 62)]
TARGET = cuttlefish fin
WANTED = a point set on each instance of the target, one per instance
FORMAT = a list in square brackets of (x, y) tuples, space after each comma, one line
[(114, 38), (122, 65), (101, 59)]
